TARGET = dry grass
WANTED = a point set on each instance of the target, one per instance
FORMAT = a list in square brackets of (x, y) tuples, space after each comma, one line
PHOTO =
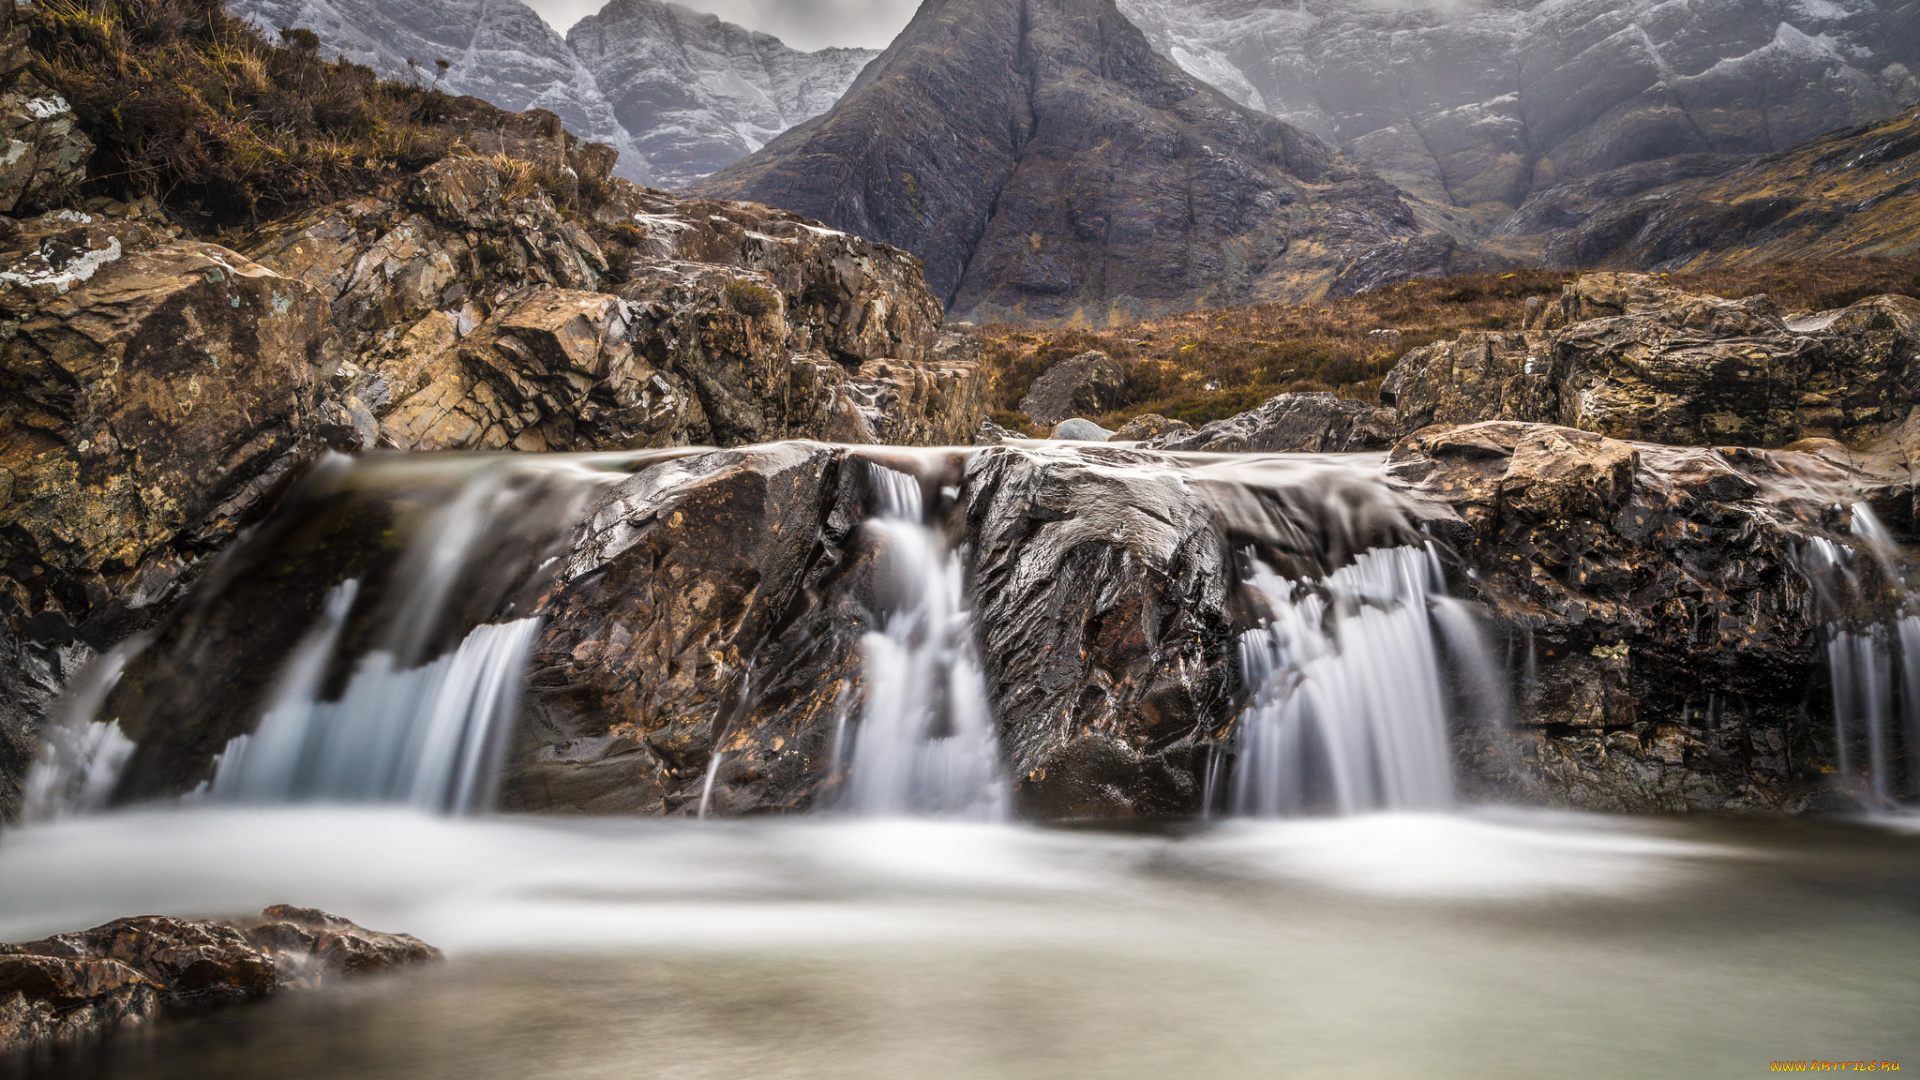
[(1208, 365), (187, 103)]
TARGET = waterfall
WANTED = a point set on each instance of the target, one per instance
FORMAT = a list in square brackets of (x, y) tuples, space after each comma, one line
[(403, 685), (925, 742), (430, 736), (1346, 709), (1874, 666)]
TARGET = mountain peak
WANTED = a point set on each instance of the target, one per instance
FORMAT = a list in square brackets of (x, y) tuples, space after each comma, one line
[(1047, 163)]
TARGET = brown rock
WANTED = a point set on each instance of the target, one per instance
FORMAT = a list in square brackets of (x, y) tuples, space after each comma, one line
[(1084, 385), (1627, 356), (1667, 651), (1148, 426), (160, 393), (79, 985), (44, 156)]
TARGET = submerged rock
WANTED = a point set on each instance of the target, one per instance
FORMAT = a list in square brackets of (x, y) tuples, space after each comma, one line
[(124, 973)]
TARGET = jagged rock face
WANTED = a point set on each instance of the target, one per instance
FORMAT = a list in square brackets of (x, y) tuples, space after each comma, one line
[(485, 320), (1636, 585), (694, 618), (1084, 385), (1625, 356), (72, 986), (677, 93), (42, 155), (697, 94), (160, 392), (1486, 104), (1848, 193), (1291, 423), (1047, 164), (1148, 426), (1104, 627)]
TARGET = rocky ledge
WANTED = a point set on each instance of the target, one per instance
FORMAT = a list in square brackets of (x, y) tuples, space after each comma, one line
[(127, 972), (162, 390)]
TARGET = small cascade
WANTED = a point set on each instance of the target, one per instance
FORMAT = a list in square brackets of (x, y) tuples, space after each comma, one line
[(430, 736), (1874, 664), (1347, 710), (925, 742), (402, 683), (82, 756)]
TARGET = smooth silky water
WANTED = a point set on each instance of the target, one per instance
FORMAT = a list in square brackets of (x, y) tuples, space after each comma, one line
[(1395, 934)]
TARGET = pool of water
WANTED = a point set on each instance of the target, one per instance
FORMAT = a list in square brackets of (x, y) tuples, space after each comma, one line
[(1479, 944)]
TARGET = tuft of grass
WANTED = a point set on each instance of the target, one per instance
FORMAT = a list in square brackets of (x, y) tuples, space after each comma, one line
[(1207, 365)]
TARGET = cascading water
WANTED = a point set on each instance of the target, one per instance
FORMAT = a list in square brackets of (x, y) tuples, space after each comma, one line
[(925, 741), (1347, 710), (401, 691), (1874, 665)]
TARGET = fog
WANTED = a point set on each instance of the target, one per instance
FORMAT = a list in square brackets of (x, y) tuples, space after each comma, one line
[(803, 24)]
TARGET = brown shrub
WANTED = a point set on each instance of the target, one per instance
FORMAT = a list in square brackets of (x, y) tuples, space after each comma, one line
[(188, 103)]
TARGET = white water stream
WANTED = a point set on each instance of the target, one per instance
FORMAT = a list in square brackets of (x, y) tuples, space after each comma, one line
[(1347, 709), (925, 742)]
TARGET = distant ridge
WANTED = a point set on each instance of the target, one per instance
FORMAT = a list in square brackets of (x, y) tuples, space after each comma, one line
[(679, 93)]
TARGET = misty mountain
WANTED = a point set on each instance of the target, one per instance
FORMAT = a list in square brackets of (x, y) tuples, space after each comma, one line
[(1483, 105), (696, 93), (677, 92), (1047, 163)]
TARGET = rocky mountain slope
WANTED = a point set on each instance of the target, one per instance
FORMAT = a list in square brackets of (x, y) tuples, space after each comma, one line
[(1048, 164), (676, 92), (1481, 105)]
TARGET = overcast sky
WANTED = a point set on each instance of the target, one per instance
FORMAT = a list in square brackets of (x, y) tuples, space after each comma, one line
[(803, 24)]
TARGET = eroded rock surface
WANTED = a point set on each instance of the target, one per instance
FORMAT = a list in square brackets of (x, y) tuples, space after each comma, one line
[(1668, 650), (1627, 356), (124, 973), (43, 156), (161, 392)]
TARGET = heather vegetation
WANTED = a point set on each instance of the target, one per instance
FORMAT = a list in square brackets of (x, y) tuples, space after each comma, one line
[(191, 105), (1210, 364)]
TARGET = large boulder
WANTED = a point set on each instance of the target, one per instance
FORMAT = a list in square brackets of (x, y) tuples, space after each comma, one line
[(693, 620), (1667, 651), (160, 392), (72, 986), (1084, 385), (1627, 356), (1310, 423)]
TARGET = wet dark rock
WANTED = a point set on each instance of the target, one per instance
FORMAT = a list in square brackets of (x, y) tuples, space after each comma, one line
[(1084, 385), (1313, 423), (1627, 356), (1667, 650), (695, 617), (85, 984)]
